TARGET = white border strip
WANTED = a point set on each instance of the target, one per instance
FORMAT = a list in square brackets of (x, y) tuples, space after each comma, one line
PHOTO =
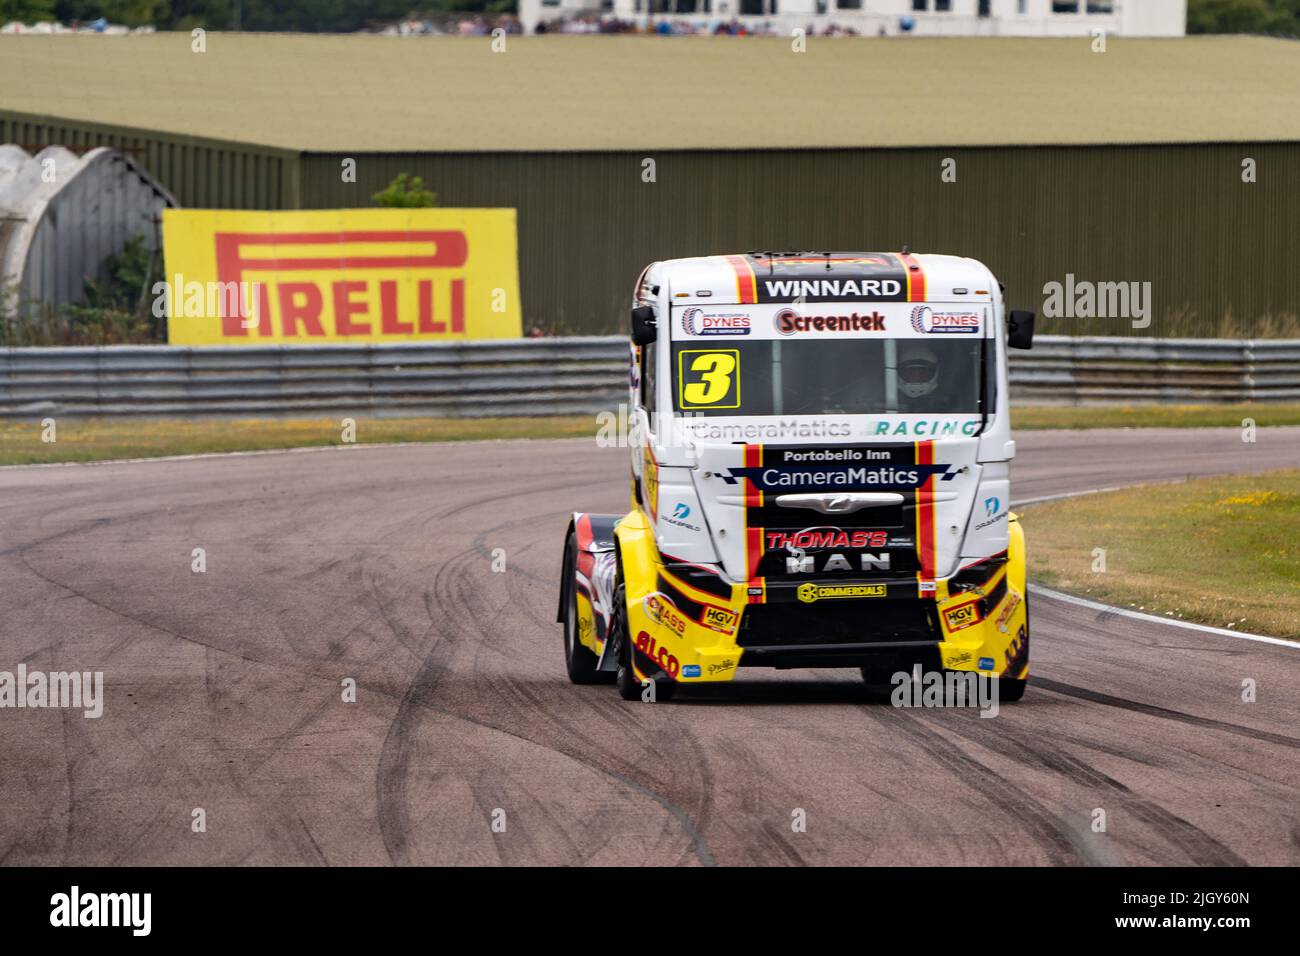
[(1043, 499), (1139, 616)]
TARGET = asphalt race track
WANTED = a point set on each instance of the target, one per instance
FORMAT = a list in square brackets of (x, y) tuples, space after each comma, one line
[(223, 689)]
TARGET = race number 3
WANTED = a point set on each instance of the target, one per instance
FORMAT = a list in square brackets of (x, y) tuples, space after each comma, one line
[(708, 378)]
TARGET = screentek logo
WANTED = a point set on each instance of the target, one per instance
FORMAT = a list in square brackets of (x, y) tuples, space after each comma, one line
[(789, 322)]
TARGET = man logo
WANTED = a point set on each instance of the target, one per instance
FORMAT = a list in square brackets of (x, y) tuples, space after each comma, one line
[(682, 511), (991, 507)]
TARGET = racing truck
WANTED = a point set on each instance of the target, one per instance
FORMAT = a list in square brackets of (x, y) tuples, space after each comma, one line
[(821, 444)]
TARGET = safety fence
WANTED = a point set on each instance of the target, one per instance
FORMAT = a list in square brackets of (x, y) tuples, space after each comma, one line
[(559, 376)]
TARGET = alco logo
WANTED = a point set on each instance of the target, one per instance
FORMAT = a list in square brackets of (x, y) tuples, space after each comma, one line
[(927, 321)]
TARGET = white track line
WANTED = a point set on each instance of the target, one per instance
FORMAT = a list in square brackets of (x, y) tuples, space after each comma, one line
[(1043, 499), (1125, 612), (1139, 616)]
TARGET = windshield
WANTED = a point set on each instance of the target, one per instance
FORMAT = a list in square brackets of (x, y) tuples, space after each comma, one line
[(847, 376)]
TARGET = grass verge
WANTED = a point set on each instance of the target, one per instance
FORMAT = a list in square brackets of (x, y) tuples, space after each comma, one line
[(1217, 551), (102, 439), (1154, 416)]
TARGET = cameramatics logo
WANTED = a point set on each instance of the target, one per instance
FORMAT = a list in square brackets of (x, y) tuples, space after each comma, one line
[(75, 690), (75, 908)]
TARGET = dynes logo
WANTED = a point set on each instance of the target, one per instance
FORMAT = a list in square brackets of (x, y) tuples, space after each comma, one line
[(356, 303), (789, 322), (927, 321), (699, 322)]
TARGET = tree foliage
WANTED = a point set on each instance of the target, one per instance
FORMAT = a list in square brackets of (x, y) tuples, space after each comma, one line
[(405, 192), (304, 16), (1244, 16)]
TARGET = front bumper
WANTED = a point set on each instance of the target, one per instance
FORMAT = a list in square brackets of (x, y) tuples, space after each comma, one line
[(691, 625)]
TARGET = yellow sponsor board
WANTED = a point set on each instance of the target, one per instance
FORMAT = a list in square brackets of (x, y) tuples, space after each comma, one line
[(340, 275)]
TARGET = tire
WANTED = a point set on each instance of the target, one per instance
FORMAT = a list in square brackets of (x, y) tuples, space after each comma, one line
[(1011, 690), (629, 688), (579, 660)]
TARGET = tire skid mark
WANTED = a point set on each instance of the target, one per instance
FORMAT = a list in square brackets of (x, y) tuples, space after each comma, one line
[(529, 707), (1028, 750), (1151, 710), (1050, 832)]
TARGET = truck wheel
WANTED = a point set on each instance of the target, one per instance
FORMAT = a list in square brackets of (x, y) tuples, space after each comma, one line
[(629, 687), (578, 658), (1010, 689)]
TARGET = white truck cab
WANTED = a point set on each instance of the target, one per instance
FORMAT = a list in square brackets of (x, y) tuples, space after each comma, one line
[(821, 457)]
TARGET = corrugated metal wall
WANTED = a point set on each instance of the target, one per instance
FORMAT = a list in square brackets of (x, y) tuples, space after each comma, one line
[(199, 172), (1179, 217), (105, 204)]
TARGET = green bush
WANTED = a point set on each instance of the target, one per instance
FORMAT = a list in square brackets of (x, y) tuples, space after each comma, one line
[(118, 311), (405, 192)]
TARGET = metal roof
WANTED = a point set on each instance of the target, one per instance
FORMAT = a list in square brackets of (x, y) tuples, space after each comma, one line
[(62, 216), (358, 94)]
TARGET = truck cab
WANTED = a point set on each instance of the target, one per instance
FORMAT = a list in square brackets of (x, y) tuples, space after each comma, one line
[(820, 447)]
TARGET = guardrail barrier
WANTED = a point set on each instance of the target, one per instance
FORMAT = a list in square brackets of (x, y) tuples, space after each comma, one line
[(561, 376)]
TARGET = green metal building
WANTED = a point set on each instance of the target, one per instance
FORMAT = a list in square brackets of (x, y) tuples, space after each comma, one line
[(1174, 162)]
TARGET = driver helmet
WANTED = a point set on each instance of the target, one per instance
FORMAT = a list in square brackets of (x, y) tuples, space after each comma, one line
[(918, 370)]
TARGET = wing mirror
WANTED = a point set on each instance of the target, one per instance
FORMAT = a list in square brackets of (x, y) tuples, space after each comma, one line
[(1020, 329), (645, 327)]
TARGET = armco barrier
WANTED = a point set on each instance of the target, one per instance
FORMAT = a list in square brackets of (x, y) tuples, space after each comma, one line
[(559, 376)]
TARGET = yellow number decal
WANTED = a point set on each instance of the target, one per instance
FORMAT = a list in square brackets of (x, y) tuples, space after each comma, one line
[(708, 378)]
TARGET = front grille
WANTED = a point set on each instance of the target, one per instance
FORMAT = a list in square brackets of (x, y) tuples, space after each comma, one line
[(851, 622)]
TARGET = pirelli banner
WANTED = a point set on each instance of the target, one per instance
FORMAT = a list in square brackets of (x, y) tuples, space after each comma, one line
[(339, 275)]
